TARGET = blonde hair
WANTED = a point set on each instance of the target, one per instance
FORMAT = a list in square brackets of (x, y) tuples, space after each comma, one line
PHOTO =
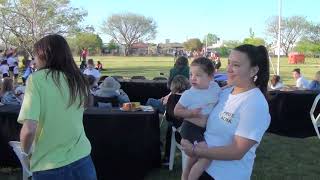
[(179, 84), (7, 85)]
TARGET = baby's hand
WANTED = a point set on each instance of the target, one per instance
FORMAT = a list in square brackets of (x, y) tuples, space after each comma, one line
[(195, 113)]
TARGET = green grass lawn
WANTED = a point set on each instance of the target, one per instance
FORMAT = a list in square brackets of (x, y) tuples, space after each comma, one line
[(151, 67), (278, 158)]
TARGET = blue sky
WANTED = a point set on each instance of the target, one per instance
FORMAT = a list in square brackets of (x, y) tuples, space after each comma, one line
[(178, 20)]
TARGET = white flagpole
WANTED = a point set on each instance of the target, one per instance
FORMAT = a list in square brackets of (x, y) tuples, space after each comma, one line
[(279, 38)]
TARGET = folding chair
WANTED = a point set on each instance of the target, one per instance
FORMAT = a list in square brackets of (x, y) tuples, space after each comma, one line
[(163, 118), (138, 77), (315, 121), (175, 145), (159, 78), (26, 173)]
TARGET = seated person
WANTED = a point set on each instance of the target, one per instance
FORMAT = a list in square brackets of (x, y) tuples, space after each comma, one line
[(91, 81), (91, 70), (19, 92), (178, 85), (83, 66), (275, 83), (111, 88), (301, 82), (315, 84), (159, 104), (29, 70), (7, 92), (99, 66)]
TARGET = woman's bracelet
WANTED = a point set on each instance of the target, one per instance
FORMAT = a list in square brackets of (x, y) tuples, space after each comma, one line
[(194, 145)]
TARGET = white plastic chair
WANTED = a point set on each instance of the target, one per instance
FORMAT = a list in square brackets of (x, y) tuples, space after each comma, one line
[(26, 173), (174, 145), (163, 118), (315, 121)]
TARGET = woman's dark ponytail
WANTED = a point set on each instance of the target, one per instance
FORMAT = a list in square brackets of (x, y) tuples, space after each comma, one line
[(258, 56)]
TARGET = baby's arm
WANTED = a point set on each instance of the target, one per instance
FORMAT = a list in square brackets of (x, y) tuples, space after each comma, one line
[(192, 115)]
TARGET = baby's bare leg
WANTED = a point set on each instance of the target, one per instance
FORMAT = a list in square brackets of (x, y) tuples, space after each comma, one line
[(185, 172), (198, 168)]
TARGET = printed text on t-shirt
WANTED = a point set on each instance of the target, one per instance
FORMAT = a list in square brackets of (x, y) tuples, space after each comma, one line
[(226, 116)]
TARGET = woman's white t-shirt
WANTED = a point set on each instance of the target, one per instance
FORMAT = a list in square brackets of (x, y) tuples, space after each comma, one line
[(246, 115)]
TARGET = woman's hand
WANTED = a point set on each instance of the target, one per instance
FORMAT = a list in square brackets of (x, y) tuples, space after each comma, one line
[(193, 149), (187, 147)]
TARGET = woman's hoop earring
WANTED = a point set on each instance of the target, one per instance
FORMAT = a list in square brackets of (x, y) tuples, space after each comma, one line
[(255, 78)]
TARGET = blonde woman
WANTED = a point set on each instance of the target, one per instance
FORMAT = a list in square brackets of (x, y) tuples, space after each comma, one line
[(315, 84)]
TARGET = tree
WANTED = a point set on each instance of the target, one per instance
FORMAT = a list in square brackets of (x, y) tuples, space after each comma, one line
[(232, 43), (193, 44), (112, 46), (313, 33), (129, 28), (310, 43), (253, 40), (210, 39), (85, 40), (291, 30), (307, 46), (5, 36), (29, 20)]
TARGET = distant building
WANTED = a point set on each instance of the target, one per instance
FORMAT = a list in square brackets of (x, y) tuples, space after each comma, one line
[(139, 49), (169, 48)]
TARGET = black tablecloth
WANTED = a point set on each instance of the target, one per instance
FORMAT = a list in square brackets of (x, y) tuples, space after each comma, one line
[(290, 113), (141, 90), (289, 110), (125, 145)]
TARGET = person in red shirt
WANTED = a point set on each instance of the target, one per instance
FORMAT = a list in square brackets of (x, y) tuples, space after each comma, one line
[(84, 54)]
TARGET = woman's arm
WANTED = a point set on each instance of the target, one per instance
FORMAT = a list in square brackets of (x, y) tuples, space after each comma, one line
[(235, 151), (27, 134), (192, 115)]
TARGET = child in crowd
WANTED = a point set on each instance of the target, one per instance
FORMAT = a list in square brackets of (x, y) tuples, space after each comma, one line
[(99, 66), (4, 68), (275, 83), (7, 92), (91, 70), (16, 72), (197, 102), (178, 85), (112, 88), (91, 81)]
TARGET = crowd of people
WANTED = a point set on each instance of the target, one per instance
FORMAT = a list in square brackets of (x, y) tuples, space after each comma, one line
[(301, 83)]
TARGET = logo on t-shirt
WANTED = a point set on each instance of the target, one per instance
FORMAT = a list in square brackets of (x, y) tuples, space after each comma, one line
[(226, 116)]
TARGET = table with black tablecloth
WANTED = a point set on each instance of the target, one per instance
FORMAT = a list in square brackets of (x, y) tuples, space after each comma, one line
[(289, 112), (125, 145), (140, 90)]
